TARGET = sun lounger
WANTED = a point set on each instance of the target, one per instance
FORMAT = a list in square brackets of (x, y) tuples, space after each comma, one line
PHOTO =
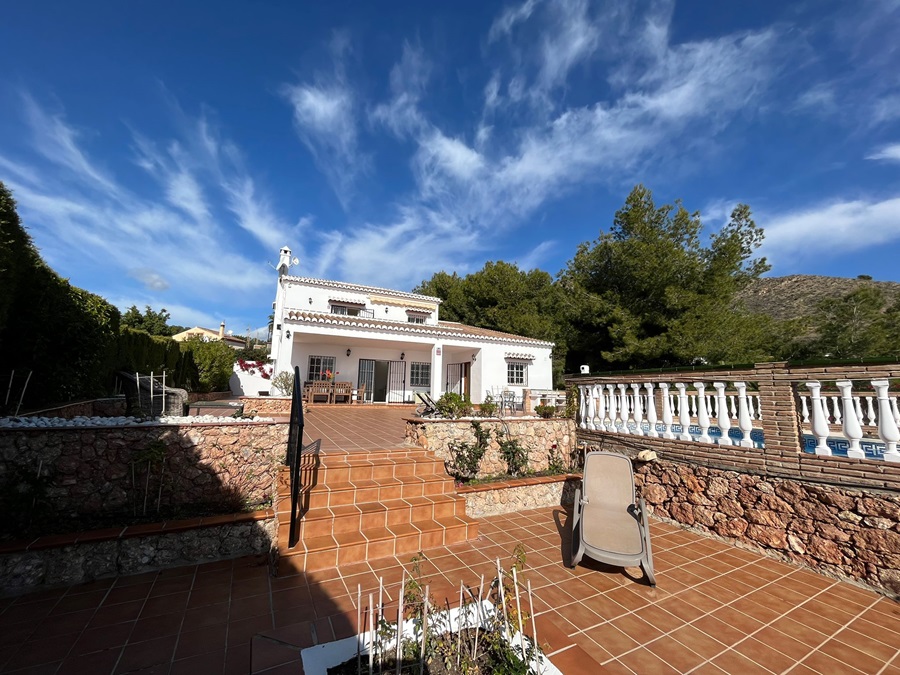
[(607, 524)]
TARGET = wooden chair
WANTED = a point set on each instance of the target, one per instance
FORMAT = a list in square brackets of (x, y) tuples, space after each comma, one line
[(343, 392), (318, 389), (361, 393)]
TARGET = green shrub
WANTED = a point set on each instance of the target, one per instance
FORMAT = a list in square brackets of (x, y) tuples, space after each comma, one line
[(572, 402), (545, 411), (465, 458), (284, 382), (453, 406), (488, 408), (514, 454), (215, 363)]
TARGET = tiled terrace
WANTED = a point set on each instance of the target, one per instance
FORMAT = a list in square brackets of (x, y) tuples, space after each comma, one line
[(716, 609), (358, 427)]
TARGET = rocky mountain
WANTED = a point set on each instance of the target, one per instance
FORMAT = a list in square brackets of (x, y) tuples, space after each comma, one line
[(798, 294)]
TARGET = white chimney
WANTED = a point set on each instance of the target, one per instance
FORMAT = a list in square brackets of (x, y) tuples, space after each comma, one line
[(222, 331)]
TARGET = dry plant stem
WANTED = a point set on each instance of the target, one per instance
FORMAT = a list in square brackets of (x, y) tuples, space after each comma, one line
[(481, 609), (534, 627), (400, 620), (459, 623), (371, 633), (519, 610), (359, 626), (424, 628), (502, 595), (380, 616)]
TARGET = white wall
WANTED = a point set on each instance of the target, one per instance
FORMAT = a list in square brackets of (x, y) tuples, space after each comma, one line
[(244, 384)]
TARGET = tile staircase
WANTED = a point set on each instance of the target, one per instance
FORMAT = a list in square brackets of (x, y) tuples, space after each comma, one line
[(364, 505)]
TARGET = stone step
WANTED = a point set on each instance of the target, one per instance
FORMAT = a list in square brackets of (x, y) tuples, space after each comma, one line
[(326, 551), (362, 517), (362, 491), (343, 470)]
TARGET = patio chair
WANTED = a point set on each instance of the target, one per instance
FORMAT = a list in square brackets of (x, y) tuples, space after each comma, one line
[(361, 393), (607, 524), (343, 392), (320, 389), (426, 406)]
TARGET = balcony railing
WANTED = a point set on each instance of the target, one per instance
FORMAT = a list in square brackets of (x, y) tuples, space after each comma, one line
[(362, 313)]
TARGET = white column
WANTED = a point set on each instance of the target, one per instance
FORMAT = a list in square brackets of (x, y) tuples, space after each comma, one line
[(887, 427), (870, 410), (819, 423), (733, 408), (702, 414), (722, 413), (684, 415), (613, 407), (638, 410), (591, 409), (582, 406), (745, 422), (859, 411), (437, 371), (623, 406), (666, 410), (600, 420), (837, 409), (851, 427), (804, 409), (651, 410)]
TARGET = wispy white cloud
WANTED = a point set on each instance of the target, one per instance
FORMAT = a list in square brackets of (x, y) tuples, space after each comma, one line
[(887, 153), (536, 256), (831, 229), (511, 16), (408, 80)]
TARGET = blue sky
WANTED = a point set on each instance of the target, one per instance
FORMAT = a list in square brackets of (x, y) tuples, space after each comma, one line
[(161, 153)]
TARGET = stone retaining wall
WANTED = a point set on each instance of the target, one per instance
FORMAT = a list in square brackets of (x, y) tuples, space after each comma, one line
[(519, 494), (195, 396), (104, 471), (100, 407), (846, 533), (267, 405), (539, 436), (80, 562)]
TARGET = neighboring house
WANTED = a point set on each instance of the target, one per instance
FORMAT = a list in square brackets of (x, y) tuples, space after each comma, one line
[(394, 343), (210, 335)]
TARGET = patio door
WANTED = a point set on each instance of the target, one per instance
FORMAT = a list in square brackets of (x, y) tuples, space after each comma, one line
[(458, 378), (385, 380)]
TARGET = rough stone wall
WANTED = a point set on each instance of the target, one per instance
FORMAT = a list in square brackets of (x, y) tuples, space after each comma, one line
[(267, 405), (513, 496), (78, 563), (195, 396), (539, 436), (104, 470), (101, 407), (843, 532)]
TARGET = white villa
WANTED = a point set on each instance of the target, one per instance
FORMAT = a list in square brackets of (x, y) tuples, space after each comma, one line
[(394, 343)]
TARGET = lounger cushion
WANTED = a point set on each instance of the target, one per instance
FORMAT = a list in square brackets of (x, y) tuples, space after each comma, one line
[(613, 530)]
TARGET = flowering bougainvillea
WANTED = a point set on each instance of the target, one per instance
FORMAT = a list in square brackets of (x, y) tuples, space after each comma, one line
[(260, 368)]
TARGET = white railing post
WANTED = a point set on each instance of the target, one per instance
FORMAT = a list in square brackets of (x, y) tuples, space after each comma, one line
[(651, 410), (666, 410), (722, 413), (702, 414), (591, 409), (870, 411), (819, 423), (850, 426), (613, 407), (804, 409), (684, 415), (837, 409), (582, 407), (623, 404), (600, 420), (638, 409), (745, 423), (887, 427)]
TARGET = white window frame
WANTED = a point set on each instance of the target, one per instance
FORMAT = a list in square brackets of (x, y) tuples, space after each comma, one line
[(318, 365), (419, 374), (513, 371)]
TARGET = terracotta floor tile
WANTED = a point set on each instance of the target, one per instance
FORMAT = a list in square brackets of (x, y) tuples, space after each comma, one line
[(165, 604), (128, 593), (674, 653), (823, 663), (254, 605), (97, 662), (765, 655), (157, 627), (242, 630), (879, 650), (659, 618), (598, 653), (550, 635), (723, 632), (105, 637), (733, 662), (146, 654), (698, 641), (851, 656), (604, 606), (642, 660), (575, 660), (209, 595), (65, 623), (202, 641), (124, 611), (80, 601), (205, 664), (237, 659), (611, 639), (783, 643), (41, 651), (800, 632)]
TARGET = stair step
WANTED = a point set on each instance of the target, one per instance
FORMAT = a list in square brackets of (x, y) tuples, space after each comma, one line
[(322, 552)]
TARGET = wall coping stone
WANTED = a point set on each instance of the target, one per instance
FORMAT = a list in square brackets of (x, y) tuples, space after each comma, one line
[(517, 482), (131, 531)]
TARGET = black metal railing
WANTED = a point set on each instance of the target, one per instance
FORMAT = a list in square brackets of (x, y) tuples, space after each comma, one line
[(302, 460)]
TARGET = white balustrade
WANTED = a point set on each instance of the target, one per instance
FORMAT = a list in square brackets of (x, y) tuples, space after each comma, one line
[(600, 419), (702, 414), (819, 422), (638, 410), (733, 408), (651, 410), (804, 410), (750, 408), (722, 418), (870, 411), (613, 407), (857, 406), (591, 410), (837, 409), (684, 415), (887, 427), (851, 424), (623, 408), (667, 410), (745, 422)]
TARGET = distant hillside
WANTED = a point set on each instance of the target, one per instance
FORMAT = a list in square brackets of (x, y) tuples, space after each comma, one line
[(797, 295)]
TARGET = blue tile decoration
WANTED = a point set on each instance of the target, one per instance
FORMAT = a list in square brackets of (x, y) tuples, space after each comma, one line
[(715, 433), (873, 448)]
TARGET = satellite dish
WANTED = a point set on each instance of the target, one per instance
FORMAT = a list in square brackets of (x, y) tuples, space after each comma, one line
[(295, 261)]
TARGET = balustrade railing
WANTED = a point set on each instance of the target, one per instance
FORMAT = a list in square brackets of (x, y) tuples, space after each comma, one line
[(865, 424), (729, 416)]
